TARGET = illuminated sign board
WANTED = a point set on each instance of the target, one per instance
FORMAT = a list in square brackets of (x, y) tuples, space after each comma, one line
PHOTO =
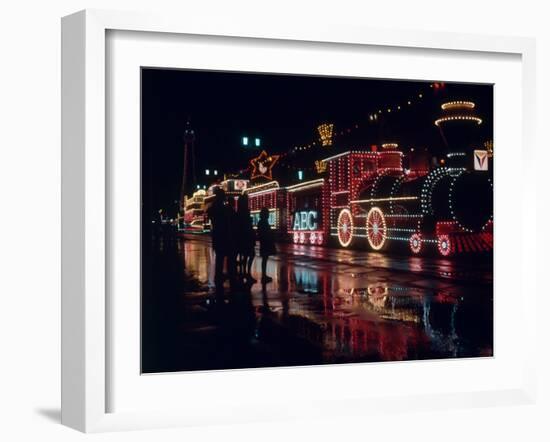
[(305, 220), (233, 185), (272, 219), (481, 161), (240, 184)]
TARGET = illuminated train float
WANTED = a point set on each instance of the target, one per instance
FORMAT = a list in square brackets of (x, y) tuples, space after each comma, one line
[(367, 197), (448, 208)]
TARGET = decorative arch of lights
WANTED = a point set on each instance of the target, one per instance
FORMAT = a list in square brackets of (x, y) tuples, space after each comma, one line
[(490, 220), (427, 189), (374, 187), (363, 185), (458, 118), (455, 219), (458, 104), (395, 186)]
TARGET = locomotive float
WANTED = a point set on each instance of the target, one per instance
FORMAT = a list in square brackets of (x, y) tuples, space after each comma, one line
[(448, 207)]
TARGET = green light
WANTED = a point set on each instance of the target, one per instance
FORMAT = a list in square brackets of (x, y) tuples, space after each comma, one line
[(257, 142), (245, 141)]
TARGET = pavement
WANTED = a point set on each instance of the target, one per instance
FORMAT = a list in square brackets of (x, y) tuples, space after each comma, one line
[(324, 306)]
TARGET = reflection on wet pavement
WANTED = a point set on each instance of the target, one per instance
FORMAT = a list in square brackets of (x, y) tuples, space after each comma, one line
[(323, 306)]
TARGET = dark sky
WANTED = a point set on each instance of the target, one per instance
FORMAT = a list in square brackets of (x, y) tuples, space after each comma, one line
[(284, 110)]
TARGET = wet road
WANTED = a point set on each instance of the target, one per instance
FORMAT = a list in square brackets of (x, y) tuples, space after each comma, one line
[(324, 306)]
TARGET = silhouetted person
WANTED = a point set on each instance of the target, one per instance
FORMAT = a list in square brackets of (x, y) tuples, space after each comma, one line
[(221, 216), (267, 242), (245, 238), (232, 242)]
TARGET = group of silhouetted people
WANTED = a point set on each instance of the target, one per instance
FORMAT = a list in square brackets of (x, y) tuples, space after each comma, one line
[(234, 241)]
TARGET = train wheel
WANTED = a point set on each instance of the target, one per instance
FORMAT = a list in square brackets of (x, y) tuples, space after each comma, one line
[(376, 228), (444, 245), (416, 243), (345, 228)]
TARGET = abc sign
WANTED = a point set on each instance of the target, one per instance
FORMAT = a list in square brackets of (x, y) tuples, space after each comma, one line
[(305, 220)]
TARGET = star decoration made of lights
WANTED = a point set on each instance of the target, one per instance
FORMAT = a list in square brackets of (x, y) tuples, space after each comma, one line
[(262, 165)]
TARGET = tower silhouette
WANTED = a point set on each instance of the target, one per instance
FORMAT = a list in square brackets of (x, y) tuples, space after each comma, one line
[(189, 178)]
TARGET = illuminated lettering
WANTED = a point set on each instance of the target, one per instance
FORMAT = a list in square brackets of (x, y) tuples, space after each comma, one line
[(296, 222), (305, 220), (271, 220), (312, 220)]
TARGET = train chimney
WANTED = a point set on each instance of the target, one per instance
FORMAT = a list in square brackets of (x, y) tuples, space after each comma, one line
[(391, 157), (459, 128)]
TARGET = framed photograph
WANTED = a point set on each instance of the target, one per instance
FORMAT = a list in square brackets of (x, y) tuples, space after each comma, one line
[(253, 211)]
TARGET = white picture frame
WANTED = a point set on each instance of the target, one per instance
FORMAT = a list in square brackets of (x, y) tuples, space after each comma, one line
[(85, 202)]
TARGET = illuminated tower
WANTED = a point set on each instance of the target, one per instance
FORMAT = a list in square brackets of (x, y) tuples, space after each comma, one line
[(459, 128), (189, 178)]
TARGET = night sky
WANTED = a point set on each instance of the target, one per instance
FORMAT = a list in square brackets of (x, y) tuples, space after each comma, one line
[(284, 111)]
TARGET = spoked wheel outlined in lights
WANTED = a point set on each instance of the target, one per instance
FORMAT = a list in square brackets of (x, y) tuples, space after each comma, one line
[(415, 243), (345, 228), (444, 245), (377, 230)]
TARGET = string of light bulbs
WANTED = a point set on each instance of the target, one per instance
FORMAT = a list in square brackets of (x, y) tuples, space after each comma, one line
[(327, 131), (373, 117)]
